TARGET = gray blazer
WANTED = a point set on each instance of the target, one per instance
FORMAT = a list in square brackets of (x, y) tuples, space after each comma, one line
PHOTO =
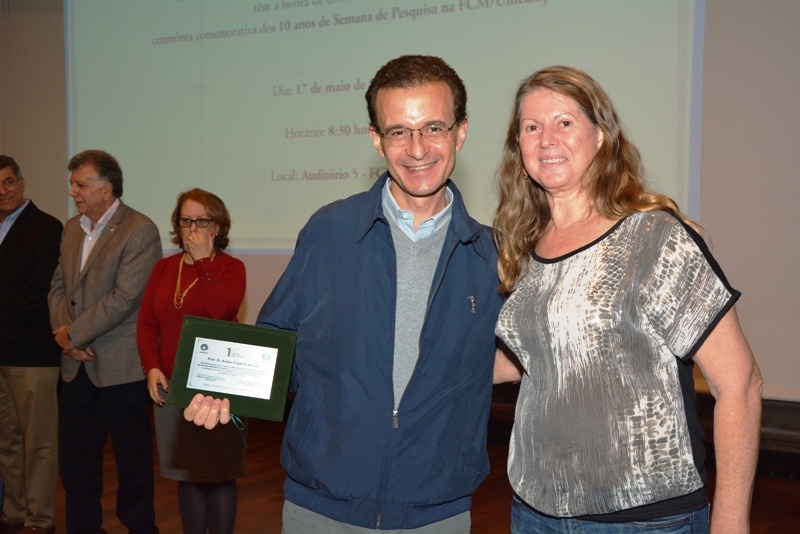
[(100, 303)]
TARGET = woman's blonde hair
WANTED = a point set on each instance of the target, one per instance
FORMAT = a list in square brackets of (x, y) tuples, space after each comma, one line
[(615, 177)]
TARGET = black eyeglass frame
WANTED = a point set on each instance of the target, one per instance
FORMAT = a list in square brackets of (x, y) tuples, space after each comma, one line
[(186, 222)]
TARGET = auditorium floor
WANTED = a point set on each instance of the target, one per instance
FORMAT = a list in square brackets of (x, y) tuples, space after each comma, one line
[(776, 503)]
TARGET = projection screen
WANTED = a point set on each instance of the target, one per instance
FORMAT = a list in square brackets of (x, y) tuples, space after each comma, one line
[(262, 102)]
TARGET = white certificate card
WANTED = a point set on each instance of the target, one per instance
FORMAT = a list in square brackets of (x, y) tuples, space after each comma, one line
[(232, 368)]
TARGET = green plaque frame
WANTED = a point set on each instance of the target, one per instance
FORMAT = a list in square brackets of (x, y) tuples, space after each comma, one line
[(273, 408)]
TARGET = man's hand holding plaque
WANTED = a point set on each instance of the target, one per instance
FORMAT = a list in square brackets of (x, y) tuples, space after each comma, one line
[(207, 411)]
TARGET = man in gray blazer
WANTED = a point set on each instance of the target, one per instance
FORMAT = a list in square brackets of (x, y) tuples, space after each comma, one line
[(107, 253)]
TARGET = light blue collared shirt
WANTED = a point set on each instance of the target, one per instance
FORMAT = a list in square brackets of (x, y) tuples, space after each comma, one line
[(5, 226), (405, 219)]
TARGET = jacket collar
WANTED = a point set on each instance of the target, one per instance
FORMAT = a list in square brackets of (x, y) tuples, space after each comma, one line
[(20, 224), (464, 228)]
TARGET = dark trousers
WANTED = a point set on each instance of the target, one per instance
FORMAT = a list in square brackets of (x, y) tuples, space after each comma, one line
[(88, 414)]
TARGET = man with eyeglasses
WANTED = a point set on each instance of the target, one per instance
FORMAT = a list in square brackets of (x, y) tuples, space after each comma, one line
[(394, 295), (107, 253), (29, 358)]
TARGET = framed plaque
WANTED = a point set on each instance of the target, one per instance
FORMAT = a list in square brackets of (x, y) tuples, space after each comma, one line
[(246, 364)]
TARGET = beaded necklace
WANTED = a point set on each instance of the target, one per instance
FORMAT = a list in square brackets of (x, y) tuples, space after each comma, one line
[(177, 299)]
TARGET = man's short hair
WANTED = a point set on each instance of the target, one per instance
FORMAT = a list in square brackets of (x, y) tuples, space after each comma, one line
[(104, 163), (407, 72), (8, 161)]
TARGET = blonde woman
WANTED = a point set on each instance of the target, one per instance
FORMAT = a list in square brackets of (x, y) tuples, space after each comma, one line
[(613, 297)]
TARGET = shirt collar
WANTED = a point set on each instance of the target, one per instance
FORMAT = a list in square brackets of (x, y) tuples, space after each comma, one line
[(13, 217), (5, 226), (404, 219), (86, 222)]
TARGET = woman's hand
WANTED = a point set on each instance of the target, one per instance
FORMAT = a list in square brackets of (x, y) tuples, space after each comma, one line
[(199, 245), (156, 378)]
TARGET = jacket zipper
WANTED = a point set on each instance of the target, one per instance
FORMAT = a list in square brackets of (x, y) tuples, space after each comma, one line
[(395, 418)]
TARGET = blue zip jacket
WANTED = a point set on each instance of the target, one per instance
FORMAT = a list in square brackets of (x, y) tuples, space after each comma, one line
[(346, 455)]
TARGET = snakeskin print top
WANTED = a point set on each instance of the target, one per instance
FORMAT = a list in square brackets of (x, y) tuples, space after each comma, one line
[(600, 422)]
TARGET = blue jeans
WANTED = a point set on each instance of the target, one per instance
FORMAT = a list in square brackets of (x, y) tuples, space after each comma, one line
[(526, 520)]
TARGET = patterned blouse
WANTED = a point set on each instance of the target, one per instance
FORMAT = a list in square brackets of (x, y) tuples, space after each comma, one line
[(606, 334)]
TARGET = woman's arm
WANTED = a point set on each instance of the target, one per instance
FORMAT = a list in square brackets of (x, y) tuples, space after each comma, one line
[(221, 286), (506, 366), (735, 382), (148, 328)]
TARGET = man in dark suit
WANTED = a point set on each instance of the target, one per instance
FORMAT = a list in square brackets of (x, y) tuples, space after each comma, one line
[(29, 358), (107, 253)]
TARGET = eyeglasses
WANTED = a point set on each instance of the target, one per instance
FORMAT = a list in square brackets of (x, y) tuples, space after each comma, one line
[(185, 222), (9, 183), (434, 133)]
